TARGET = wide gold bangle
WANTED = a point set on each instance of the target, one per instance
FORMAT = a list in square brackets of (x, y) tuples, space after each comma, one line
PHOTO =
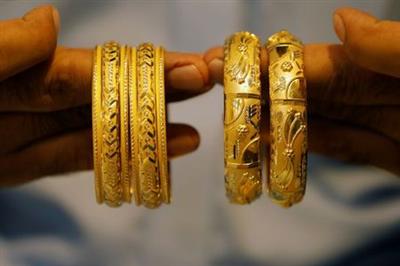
[(288, 128), (149, 181), (242, 111)]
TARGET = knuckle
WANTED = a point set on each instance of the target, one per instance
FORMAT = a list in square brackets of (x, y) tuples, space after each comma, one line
[(354, 48)]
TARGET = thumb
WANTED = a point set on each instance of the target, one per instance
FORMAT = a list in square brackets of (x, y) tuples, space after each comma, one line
[(369, 42)]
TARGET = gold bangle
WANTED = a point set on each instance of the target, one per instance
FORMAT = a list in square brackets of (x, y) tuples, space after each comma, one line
[(96, 123), (134, 125), (110, 144), (149, 185), (124, 124), (161, 125), (288, 129), (242, 111)]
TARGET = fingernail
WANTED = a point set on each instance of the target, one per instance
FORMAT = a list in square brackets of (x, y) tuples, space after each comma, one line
[(339, 27), (56, 19), (216, 68), (185, 77)]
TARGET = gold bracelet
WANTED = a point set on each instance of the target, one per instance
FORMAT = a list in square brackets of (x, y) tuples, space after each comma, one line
[(96, 123), (288, 152), (242, 111), (149, 185), (161, 125), (110, 144), (134, 125), (129, 147), (124, 124)]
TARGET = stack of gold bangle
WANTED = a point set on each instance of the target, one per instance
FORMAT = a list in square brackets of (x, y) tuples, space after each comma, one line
[(288, 119), (130, 149)]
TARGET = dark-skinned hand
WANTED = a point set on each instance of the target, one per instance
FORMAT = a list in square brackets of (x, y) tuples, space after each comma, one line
[(353, 90), (45, 96)]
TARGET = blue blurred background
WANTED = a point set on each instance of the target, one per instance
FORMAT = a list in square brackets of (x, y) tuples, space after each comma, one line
[(350, 215)]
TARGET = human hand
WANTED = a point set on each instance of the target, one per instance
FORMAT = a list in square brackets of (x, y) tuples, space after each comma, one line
[(353, 90), (45, 95)]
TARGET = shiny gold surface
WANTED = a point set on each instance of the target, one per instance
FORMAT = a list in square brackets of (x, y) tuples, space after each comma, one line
[(242, 111), (96, 122), (130, 146), (134, 126), (150, 187), (161, 125), (111, 158), (124, 125), (288, 128)]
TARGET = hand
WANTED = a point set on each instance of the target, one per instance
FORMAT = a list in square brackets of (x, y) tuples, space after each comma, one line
[(45, 95), (353, 90)]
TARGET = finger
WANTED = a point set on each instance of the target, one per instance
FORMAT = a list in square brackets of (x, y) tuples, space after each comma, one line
[(65, 81), (60, 83), (369, 42), (73, 152), (27, 41), (186, 73), (380, 119), (182, 139), (332, 77), (60, 154), (20, 129), (353, 144), (214, 59)]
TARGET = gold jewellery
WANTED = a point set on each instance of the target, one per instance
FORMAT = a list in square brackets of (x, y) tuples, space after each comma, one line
[(242, 111), (129, 147), (288, 129), (288, 119), (129, 122)]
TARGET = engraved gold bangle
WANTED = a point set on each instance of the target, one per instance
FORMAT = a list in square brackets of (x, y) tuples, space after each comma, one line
[(126, 180), (161, 126), (96, 122), (134, 125), (111, 157), (149, 181), (242, 111), (288, 113)]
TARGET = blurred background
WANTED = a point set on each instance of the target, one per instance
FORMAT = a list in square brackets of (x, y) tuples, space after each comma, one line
[(350, 215)]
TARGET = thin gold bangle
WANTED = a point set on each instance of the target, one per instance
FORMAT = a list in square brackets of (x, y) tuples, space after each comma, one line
[(288, 111), (242, 108), (161, 125), (148, 149), (96, 123), (124, 124), (111, 159), (134, 125)]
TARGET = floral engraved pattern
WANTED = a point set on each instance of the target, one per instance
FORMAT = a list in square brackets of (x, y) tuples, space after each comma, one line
[(286, 66), (293, 126), (288, 151), (242, 117), (241, 68)]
